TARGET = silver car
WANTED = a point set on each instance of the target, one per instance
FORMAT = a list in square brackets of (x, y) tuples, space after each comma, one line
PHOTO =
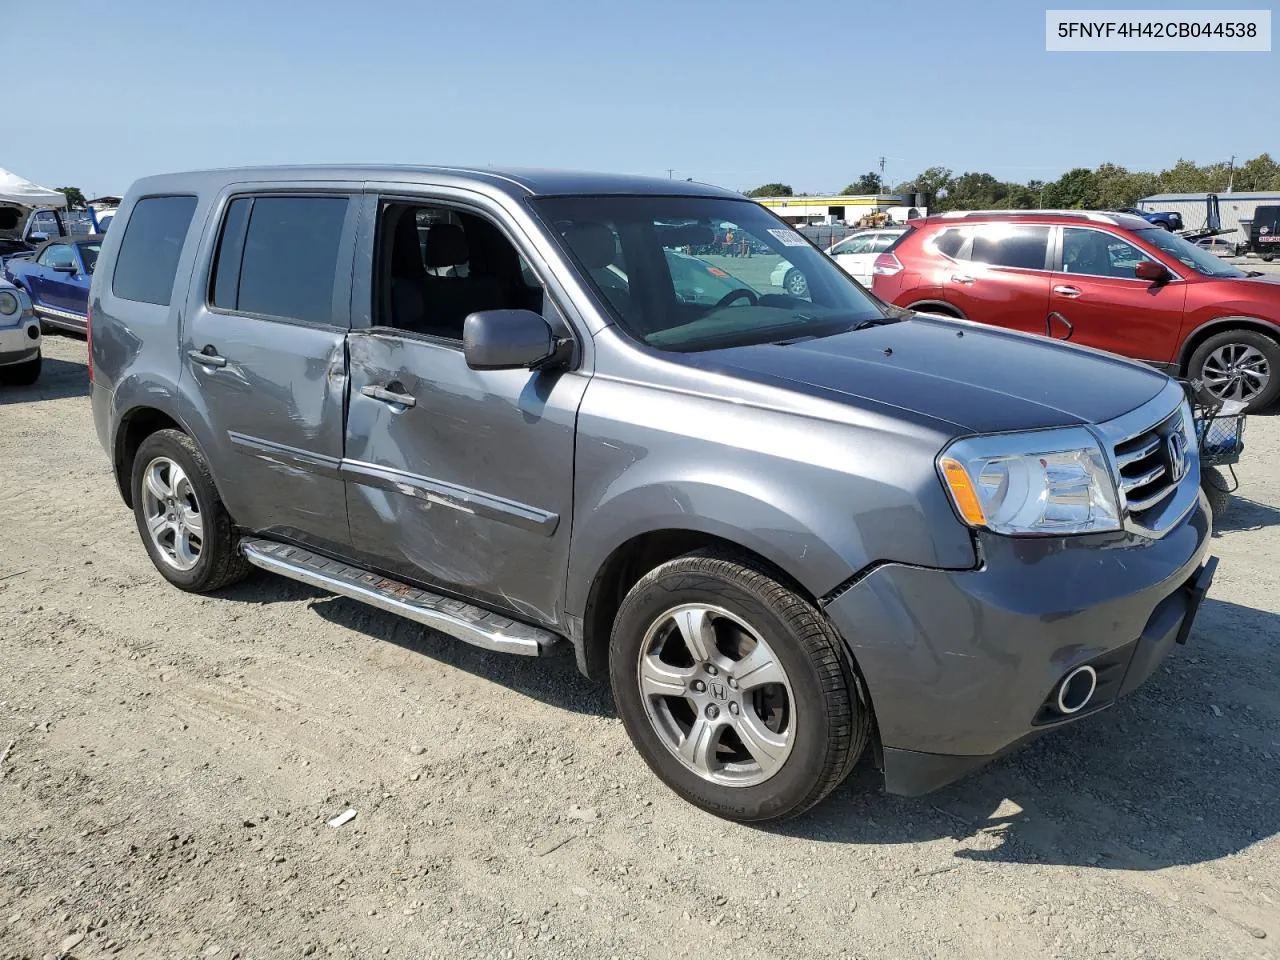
[(19, 337)]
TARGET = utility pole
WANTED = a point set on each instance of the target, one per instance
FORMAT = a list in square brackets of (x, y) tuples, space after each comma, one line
[(1231, 173), (882, 174), (670, 172)]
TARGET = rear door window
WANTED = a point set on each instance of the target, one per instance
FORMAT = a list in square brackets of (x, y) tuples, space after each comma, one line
[(148, 259), (1024, 246), (278, 257), (953, 242)]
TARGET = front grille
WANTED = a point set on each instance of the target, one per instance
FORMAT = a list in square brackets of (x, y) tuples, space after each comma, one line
[(1148, 473)]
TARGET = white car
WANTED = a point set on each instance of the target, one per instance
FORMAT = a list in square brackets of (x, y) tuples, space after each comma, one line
[(19, 337), (856, 254), (1219, 246)]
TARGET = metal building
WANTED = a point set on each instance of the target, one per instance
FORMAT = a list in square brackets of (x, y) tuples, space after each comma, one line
[(1233, 208)]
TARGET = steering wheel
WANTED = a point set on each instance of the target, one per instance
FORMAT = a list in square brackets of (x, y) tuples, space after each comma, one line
[(738, 294)]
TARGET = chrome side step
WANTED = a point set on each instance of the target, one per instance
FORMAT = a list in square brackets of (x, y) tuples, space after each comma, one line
[(463, 621)]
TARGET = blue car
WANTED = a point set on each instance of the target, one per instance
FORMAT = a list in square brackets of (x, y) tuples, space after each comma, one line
[(56, 275)]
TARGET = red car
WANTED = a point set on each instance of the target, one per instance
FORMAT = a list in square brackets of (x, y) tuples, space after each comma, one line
[(1105, 280)]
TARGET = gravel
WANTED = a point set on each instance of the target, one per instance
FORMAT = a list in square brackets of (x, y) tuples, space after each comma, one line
[(176, 761)]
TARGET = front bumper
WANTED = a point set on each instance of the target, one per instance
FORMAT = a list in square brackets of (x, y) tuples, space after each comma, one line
[(960, 665), (20, 343)]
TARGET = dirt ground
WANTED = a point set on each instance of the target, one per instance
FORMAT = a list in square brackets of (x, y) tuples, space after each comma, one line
[(175, 760)]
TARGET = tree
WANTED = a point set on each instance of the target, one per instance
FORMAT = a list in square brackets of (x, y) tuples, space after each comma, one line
[(931, 182), (975, 191), (772, 190), (1075, 190), (867, 183), (75, 199), (1260, 173)]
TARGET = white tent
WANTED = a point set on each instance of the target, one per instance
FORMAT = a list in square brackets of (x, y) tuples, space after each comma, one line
[(13, 189)]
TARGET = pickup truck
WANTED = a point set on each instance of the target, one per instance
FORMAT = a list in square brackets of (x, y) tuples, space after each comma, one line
[(1171, 220)]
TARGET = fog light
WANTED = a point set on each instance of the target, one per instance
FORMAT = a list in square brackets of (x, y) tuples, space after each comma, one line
[(33, 332)]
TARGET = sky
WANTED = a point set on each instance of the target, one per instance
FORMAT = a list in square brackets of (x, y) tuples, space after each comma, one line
[(810, 93)]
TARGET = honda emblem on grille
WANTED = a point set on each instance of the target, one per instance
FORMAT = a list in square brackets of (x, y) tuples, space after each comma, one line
[(1176, 446)]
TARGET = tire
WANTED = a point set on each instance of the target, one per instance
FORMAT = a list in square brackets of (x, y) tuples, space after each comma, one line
[(1257, 352), (197, 564), (810, 724), (795, 283), (1268, 257), (1216, 489), (22, 374)]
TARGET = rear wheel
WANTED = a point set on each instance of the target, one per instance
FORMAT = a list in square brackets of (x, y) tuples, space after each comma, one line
[(735, 689), (1239, 365), (182, 522), (22, 374)]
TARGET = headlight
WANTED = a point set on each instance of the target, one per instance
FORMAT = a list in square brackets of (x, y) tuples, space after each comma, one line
[(9, 305), (1048, 482)]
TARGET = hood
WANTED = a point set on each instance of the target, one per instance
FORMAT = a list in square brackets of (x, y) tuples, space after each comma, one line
[(977, 379)]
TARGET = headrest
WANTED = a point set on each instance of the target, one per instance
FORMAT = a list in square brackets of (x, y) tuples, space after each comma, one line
[(406, 249), (446, 246), (592, 243)]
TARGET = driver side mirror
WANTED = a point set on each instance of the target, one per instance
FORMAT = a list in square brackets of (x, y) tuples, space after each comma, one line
[(65, 268), (1150, 270), (509, 340)]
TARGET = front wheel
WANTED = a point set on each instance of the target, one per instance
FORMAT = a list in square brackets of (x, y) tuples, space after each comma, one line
[(735, 689), (1239, 365)]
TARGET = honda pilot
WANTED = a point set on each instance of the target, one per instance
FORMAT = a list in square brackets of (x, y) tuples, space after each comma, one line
[(517, 408)]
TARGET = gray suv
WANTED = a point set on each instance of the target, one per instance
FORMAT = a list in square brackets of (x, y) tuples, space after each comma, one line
[(539, 409)]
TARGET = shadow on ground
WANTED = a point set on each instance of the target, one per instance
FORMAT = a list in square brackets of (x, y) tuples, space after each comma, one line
[(1246, 514), (1182, 771), (59, 379), (553, 680)]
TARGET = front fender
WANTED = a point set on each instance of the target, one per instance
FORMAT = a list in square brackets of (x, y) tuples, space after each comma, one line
[(821, 500)]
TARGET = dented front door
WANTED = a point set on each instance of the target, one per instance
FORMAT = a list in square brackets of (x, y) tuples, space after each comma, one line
[(461, 478)]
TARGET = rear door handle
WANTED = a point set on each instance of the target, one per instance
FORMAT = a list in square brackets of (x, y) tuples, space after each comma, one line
[(958, 278), (1065, 291), (207, 357), (397, 397)]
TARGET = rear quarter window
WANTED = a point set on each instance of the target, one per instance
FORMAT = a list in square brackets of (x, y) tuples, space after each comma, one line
[(149, 251)]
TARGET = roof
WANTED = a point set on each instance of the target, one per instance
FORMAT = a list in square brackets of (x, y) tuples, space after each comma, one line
[(519, 182), (1251, 195), (1115, 219)]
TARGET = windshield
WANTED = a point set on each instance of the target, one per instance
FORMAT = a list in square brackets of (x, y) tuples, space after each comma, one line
[(89, 254), (699, 273), (1197, 258)]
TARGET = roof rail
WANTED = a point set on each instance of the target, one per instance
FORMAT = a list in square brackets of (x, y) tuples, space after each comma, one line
[(1093, 215)]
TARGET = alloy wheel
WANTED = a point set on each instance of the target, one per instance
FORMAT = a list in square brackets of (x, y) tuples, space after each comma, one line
[(1236, 371), (174, 520), (717, 695)]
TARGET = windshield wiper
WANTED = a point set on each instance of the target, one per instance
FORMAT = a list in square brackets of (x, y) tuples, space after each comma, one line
[(875, 322)]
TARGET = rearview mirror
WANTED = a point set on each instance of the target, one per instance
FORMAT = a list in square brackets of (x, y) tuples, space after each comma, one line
[(1150, 270), (506, 340)]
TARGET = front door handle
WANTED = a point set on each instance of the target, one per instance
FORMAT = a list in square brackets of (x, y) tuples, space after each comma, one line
[(1065, 291), (208, 357), (397, 397), (960, 278)]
